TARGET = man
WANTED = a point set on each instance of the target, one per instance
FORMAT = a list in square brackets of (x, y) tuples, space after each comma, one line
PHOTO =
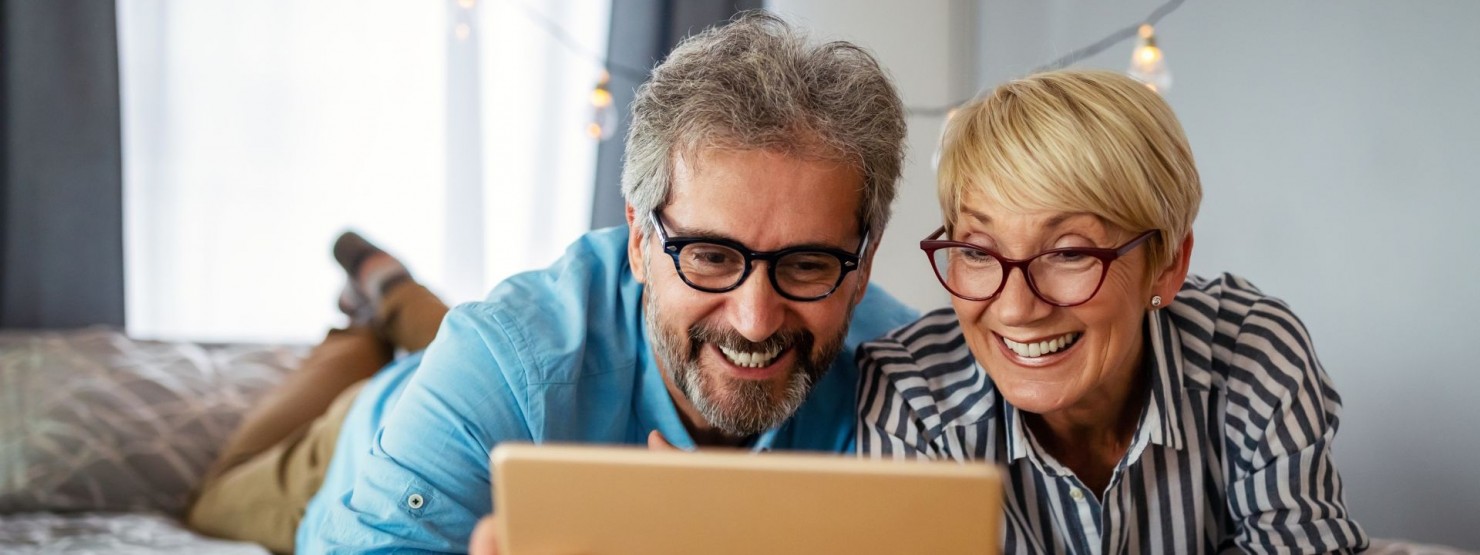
[(758, 180)]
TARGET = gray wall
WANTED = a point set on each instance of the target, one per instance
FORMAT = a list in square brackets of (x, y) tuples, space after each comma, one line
[(1339, 145)]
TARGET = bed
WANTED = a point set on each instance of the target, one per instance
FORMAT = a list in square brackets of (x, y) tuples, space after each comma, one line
[(102, 437)]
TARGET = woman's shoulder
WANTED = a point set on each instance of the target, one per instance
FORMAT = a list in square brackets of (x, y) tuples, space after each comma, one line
[(927, 364), (1225, 319), (911, 348), (1224, 304)]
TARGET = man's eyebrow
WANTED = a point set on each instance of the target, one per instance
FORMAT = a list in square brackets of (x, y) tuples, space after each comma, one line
[(679, 232)]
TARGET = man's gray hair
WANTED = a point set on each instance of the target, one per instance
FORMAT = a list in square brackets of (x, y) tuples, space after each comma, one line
[(755, 83)]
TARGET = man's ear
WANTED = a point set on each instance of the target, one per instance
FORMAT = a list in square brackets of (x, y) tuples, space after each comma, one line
[(1169, 282), (635, 246), (865, 270)]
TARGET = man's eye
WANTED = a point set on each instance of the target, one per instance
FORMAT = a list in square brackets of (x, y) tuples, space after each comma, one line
[(706, 256), (711, 257), (809, 267)]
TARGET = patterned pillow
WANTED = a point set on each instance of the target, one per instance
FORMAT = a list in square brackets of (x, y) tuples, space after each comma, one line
[(92, 420)]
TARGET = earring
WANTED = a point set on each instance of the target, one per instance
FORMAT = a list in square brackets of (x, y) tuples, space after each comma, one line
[(1155, 301)]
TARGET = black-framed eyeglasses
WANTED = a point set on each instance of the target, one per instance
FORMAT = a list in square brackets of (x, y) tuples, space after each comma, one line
[(721, 265), (1061, 277)]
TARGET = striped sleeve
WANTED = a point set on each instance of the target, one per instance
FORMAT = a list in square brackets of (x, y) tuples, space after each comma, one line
[(1285, 495)]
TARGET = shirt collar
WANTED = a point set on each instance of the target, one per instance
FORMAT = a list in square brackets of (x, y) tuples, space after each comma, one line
[(1017, 430), (1161, 419)]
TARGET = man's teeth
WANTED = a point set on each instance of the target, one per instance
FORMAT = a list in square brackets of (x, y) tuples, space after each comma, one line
[(748, 359), (1041, 348)]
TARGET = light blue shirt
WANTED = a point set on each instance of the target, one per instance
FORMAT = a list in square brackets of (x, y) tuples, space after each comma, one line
[(555, 355)]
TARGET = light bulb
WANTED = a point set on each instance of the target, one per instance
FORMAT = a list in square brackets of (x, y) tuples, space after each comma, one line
[(1148, 65), (603, 114)]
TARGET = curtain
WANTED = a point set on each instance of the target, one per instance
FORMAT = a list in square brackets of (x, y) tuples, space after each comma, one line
[(452, 133), (642, 33), (61, 246)]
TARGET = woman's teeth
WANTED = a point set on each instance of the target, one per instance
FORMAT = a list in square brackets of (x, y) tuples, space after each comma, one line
[(1041, 348), (748, 359)]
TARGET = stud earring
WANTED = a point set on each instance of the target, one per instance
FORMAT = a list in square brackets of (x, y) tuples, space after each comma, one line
[(1155, 301)]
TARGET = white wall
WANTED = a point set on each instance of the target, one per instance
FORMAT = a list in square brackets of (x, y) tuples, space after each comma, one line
[(1339, 145), (927, 46)]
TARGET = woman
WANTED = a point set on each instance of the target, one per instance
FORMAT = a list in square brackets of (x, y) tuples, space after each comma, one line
[(1136, 410)]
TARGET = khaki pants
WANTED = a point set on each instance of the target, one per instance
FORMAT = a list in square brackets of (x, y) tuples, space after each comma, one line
[(260, 485)]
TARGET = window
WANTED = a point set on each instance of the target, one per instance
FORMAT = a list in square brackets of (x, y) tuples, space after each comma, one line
[(452, 133)]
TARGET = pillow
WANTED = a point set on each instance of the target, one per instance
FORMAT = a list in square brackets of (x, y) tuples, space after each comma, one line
[(111, 533), (92, 420)]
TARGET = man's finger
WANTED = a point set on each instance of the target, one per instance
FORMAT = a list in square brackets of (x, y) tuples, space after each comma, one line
[(485, 537), (656, 442)]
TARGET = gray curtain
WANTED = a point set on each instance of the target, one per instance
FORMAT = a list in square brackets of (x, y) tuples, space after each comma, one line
[(61, 183), (642, 33)]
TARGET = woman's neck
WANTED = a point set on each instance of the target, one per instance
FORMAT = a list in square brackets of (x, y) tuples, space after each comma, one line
[(1092, 438)]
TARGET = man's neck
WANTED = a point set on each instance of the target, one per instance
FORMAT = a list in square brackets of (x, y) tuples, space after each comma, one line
[(703, 434)]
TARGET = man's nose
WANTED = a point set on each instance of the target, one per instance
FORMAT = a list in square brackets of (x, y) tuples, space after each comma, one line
[(756, 309)]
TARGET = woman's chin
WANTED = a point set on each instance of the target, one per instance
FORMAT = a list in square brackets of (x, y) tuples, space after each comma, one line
[(1035, 397)]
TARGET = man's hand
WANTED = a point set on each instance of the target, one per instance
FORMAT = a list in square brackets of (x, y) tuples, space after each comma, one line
[(656, 442), (485, 535)]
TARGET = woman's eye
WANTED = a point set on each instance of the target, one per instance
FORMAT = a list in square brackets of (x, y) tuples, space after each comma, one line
[(976, 257), (1068, 256)]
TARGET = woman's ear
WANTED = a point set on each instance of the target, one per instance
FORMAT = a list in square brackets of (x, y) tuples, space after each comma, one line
[(634, 246), (1169, 281)]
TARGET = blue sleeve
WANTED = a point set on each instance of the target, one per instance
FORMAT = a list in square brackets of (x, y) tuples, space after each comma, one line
[(424, 483)]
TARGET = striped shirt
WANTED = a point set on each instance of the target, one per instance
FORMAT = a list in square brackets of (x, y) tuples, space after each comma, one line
[(1233, 448)]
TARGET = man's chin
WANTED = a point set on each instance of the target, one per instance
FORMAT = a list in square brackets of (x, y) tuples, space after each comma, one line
[(746, 404)]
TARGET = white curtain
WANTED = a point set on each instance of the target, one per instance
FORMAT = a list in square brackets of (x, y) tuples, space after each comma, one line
[(451, 132)]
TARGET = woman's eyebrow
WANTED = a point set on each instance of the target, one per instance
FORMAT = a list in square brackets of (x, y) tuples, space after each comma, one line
[(1053, 221)]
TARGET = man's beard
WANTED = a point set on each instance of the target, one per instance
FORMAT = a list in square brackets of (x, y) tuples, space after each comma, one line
[(739, 408)]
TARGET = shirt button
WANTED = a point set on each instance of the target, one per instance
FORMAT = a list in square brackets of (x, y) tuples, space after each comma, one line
[(1077, 494), (415, 501)]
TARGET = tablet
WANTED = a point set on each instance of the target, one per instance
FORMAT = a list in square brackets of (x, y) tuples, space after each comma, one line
[(555, 500)]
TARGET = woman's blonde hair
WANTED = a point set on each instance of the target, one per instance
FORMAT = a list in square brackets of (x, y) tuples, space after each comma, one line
[(1075, 141)]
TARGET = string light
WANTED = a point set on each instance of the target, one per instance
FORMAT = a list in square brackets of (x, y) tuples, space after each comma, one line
[(603, 122), (1097, 47), (603, 114), (1148, 65)]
